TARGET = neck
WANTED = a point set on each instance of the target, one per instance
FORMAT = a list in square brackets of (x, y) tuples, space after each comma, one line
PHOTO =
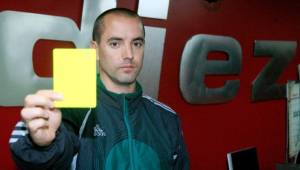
[(118, 87)]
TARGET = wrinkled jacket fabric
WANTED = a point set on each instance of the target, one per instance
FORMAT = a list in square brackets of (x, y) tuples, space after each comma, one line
[(124, 132)]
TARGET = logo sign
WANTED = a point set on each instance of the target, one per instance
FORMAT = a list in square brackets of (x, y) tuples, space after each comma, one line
[(17, 75), (18, 78)]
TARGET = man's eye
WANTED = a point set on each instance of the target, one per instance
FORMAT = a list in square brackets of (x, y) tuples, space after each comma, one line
[(114, 44), (138, 44)]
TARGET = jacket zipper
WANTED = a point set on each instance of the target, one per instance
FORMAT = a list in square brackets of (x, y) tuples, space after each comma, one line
[(130, 140)]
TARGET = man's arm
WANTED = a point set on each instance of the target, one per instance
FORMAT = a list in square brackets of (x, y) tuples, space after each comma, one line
[(57, 155), (182, 161), (47, 144)]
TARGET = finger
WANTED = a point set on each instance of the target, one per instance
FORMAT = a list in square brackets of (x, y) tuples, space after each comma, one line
[(32, 113), (36, 124), (35, 100), (51, 94)]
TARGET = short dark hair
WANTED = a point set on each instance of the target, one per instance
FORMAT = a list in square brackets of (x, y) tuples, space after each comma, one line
[(98, 24)]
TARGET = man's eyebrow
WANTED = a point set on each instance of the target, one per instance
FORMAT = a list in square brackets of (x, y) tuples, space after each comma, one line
[(139, 39), (114, 39), (120, 39)]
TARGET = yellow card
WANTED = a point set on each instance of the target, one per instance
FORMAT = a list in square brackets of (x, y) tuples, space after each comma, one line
[(74, 76)]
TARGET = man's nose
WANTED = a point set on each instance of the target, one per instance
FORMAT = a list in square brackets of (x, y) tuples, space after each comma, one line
[(128, 52)]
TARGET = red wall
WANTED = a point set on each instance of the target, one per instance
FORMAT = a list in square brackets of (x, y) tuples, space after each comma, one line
[(210, 130)]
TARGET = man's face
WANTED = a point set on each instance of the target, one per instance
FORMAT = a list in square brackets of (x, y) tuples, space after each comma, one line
[(120, 50)]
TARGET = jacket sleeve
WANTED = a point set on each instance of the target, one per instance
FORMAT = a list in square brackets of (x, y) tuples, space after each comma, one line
[(57, 155), (182, 160)]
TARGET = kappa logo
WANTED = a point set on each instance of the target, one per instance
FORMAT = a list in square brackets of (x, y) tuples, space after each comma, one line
[(98, 131)]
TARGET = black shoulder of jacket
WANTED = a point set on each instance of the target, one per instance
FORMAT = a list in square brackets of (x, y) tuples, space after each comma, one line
[(159, 105)]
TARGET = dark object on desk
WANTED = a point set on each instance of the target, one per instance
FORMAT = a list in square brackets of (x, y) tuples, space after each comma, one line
[(287, 166), (244, 159)]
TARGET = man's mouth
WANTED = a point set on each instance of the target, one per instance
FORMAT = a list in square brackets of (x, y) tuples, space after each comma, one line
[(128, 68)]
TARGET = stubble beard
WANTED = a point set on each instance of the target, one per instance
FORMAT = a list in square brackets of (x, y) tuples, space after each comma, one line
[(122, 78)]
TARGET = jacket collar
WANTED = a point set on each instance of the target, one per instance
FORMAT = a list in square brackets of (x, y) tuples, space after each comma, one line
[(115, 99)]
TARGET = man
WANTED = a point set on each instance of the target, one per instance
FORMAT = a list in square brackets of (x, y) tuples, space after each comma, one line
[(125, 131)]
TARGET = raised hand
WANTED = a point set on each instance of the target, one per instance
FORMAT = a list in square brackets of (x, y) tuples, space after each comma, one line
[(40, 116)]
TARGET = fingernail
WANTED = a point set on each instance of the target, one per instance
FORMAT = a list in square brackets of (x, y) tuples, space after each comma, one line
[(59, 96)]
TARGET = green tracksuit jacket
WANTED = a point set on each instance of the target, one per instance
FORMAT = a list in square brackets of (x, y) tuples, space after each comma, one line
[(124, 132)]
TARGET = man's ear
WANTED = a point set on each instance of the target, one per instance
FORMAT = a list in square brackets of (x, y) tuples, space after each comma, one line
[(94, 45)]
